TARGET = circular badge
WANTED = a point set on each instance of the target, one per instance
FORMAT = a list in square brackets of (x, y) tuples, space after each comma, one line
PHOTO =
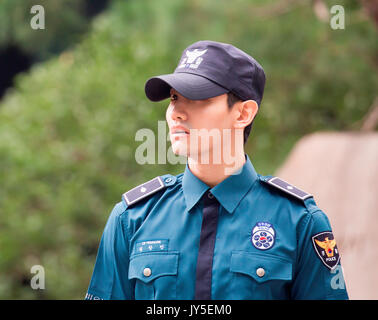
[(263, 236)]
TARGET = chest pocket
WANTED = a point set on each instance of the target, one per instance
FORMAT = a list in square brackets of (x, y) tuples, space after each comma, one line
[(260, 276), (155, 275)]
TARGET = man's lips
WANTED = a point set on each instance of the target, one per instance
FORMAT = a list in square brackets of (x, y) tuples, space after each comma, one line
[(177, 130)]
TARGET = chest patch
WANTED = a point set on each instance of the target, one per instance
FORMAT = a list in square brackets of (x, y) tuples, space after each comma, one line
[(263, 236)]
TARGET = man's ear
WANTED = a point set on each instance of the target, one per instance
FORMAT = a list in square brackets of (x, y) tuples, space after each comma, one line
[(247, 111)]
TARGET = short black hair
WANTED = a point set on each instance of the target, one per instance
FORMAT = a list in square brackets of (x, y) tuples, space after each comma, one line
[(231, 100)]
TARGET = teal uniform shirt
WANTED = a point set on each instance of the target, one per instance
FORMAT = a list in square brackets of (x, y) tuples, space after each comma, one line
[(272, 242)]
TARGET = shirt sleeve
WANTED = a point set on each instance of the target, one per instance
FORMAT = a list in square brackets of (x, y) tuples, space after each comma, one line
[(318, 273), (110, 275)]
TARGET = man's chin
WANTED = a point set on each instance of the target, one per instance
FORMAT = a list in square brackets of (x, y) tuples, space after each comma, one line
[(180, 149)]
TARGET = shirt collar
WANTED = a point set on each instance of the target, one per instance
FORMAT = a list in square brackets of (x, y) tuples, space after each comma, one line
[(229, 192), (193, 188)]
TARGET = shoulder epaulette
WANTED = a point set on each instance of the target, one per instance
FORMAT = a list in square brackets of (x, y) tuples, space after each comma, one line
[(287, 187), (148, 188)]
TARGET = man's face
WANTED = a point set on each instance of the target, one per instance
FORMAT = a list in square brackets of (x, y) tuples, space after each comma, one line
[(209, 116)]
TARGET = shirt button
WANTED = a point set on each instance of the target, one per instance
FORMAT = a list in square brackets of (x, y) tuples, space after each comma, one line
[(210, 195), (168, 180), (147, 272), (260, 272)]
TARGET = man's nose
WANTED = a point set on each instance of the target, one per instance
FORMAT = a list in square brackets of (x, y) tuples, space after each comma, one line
[(178, 113)]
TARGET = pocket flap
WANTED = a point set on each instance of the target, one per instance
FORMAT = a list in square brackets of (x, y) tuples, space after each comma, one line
[(261, 267), (149, 266)]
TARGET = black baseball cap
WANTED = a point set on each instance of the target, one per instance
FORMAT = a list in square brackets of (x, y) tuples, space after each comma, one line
[(208, 69)]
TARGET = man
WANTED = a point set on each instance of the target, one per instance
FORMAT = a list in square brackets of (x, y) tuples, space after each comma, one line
[(219, 230)]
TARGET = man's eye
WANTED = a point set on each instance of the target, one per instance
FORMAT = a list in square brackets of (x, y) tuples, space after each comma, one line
[(173, 97)]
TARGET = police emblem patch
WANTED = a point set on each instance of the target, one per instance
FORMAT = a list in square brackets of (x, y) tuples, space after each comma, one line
[(263, 236), (325, 246)]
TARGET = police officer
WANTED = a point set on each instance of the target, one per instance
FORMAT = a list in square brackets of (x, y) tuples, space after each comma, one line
[(215, 231)]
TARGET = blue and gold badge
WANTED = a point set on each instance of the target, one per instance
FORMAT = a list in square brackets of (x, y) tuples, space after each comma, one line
[(325, 246)]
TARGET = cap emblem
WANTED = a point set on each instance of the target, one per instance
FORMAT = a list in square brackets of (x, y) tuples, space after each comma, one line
[(193, 59)]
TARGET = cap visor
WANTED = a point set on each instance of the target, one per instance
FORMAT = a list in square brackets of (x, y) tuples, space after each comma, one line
[(191, 86)]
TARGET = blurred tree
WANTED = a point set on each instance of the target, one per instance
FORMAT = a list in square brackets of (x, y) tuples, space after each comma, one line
[(12, 61), (67, 130), (65, 21), (371, 7), (20, 46)]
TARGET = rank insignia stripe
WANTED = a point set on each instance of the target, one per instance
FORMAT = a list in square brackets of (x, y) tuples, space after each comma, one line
[(142, 191), (288, 188)]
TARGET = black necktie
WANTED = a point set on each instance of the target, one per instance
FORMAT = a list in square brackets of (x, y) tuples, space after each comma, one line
[(206, 248)]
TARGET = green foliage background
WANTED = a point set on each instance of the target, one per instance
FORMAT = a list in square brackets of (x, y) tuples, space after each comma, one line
[(65, 21), (67, 128)]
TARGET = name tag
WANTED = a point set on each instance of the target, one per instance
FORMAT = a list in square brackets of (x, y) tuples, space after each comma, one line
[(151, 245)]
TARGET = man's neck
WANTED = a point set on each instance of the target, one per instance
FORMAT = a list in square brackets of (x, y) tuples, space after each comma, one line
[(213, 174)]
